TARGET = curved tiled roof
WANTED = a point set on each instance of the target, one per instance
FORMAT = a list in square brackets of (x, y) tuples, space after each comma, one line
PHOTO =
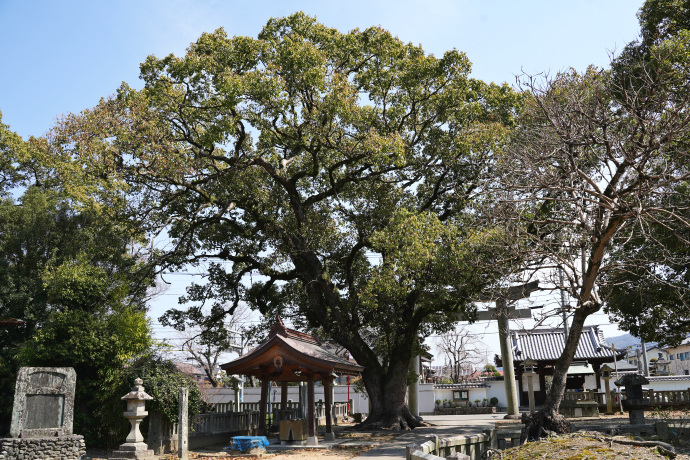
[(300, 348), (548, 344)]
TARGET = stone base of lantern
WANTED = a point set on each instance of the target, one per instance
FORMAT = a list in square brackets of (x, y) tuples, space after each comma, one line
[(129, 450)]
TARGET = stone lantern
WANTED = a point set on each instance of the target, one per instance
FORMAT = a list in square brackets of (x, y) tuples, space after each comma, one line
[(529, 365), (134, 446), (606, 375), (635, 402)]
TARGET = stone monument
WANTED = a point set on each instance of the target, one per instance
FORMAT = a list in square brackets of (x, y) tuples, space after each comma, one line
[(134, 446), (42, 416)]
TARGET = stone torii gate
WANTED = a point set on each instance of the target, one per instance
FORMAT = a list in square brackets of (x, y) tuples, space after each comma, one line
[(503, 313)]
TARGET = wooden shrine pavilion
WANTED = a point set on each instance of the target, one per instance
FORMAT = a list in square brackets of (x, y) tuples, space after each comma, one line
[(292, 356)]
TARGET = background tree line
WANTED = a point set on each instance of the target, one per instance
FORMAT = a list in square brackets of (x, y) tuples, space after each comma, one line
[(73, 273)]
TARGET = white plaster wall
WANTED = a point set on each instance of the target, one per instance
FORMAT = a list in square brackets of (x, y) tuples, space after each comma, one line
[(477, 393), (591, 382), (659, 385), (427, 398), (497, 390), (668, 385)]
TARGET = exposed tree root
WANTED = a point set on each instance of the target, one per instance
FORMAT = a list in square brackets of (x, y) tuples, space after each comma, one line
[(665, 449), (542, 424), (405, 422)]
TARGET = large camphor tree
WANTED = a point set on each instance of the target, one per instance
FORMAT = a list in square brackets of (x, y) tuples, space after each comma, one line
[(595, 182), (327, 176)]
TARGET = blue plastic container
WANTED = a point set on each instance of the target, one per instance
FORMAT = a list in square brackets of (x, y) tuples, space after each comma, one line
[(243, 443)]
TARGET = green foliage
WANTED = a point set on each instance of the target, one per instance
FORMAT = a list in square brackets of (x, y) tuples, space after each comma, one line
[(73, 274), (493, 401), (163, 381), (15, 157), (303, 155), (650, 296), (490, 369), (663, 19)]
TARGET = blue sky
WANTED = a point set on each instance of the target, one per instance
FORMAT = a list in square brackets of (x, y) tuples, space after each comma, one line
[(63, 56)]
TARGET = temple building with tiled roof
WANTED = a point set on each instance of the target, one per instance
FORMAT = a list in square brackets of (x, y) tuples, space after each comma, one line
[(546, 345)]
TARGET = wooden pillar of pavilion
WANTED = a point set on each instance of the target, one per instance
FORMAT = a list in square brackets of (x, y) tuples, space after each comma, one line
[(312, 440), (283, 400), (262, 405), (327, 396)]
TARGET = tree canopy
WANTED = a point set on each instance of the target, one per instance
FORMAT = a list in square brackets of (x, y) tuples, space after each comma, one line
[(328, 176)]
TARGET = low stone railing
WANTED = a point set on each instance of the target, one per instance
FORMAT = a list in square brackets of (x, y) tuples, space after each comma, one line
[(657, 398), (573, 396), (435, 448), (163, 436), (668, 398)]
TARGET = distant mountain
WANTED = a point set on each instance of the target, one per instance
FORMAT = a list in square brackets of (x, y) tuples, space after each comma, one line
[(625, 340), (622, 341)]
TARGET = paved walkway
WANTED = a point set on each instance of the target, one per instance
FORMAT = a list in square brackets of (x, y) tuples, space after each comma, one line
[(445, 425)]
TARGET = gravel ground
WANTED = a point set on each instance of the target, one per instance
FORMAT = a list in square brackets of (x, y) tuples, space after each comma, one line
[(337, 453)]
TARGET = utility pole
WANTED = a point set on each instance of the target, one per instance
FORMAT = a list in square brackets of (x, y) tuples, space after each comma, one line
[(615, 365), (503, 314)]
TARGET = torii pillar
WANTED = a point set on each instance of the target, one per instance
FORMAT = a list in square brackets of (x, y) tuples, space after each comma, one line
[(503, 314)]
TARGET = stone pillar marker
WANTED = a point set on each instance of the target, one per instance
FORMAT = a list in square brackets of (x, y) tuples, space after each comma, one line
[(183, 425), (606, 375), (134, 446), (529, 365), (236, 388), (413, 389)]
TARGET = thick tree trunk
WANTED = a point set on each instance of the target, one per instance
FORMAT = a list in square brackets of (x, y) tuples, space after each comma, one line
[(386, 386), (387, 391)]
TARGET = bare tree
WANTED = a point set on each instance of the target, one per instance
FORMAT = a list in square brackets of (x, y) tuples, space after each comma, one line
[(597, 157), (462, 349), (205, 347)]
